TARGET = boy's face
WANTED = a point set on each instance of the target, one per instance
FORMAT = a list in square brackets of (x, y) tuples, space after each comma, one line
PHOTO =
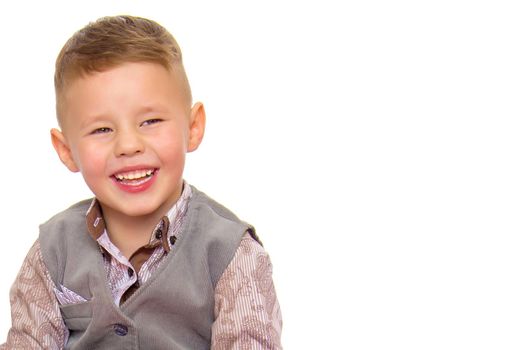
[(127, 130)]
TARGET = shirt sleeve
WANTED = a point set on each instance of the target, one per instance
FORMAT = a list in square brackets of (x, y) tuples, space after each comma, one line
[(247, 313), (36, 322)]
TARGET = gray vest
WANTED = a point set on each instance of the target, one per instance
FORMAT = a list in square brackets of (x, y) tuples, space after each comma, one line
[(174, 309)]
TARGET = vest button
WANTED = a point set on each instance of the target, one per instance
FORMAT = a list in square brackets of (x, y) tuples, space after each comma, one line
[(120, 329), (130, 272)]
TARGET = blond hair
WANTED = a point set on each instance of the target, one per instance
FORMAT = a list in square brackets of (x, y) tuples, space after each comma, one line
[(111, 41)]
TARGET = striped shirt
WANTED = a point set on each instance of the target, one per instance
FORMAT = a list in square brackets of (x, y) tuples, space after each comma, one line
[(247, 313)]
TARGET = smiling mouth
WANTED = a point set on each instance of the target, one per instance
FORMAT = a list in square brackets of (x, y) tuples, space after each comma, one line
[(135, 177)]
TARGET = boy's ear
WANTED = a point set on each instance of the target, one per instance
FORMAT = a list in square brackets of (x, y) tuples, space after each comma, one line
[(197, 126), (63, 150)]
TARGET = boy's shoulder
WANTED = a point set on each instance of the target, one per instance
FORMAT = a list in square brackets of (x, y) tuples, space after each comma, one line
[(71, 215), (200, 199), (212, 210)]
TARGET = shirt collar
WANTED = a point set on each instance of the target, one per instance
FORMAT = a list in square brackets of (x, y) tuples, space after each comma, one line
[(168, 226)]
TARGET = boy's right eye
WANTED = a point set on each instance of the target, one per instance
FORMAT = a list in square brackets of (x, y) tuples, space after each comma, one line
[(101, 131)]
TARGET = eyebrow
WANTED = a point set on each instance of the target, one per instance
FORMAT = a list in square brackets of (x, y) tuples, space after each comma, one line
[(91, 120), (102, 117), (153, 108)]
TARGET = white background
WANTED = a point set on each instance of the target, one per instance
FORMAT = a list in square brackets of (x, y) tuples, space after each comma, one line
[(378, 147)]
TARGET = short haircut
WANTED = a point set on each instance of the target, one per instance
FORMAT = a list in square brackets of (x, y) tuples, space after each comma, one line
[(111, 41)]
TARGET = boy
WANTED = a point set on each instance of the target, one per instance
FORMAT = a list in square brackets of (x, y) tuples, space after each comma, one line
[(150, 262)]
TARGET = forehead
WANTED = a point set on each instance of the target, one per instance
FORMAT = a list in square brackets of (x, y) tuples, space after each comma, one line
[(122, 88), (126, 76)]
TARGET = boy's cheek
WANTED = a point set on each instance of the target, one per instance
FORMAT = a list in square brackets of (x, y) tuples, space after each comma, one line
[(90, 163)]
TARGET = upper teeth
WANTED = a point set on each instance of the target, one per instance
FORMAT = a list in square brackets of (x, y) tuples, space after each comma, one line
[(132, 175)]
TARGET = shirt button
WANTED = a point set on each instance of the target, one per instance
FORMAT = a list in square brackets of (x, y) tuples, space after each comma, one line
[(120, 329), (158, 234), (130, 272), (173, 239)]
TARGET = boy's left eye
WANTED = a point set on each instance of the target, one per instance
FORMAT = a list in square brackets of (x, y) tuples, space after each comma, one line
[(151, 121)]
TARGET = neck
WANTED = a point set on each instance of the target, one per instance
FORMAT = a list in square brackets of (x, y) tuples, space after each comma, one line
[(129, 233)]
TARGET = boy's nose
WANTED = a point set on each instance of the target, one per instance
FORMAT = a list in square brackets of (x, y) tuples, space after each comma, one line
[(128, 143)]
